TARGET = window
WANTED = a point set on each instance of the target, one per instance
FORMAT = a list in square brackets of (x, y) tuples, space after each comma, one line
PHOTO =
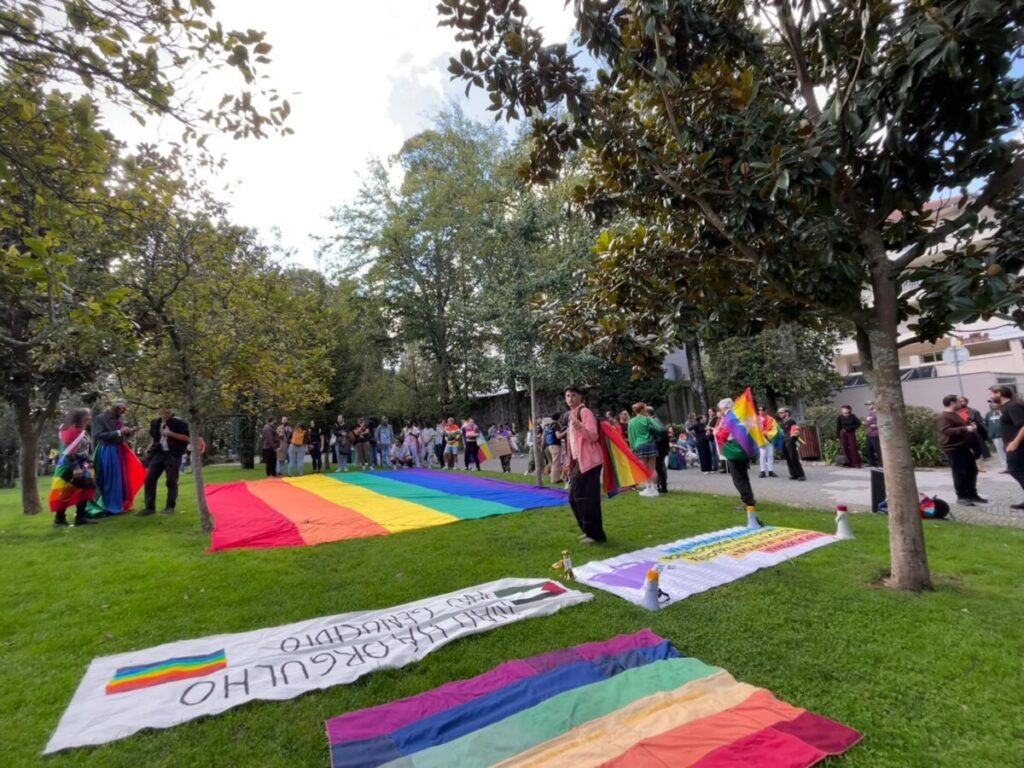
[(989, 348), (856, 368), (931, 357), (1010, 381)]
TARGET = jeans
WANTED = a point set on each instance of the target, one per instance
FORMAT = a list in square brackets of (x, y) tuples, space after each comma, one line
[(296, 460), (158, 464), (472, 455), (1000, 449), (341, 457), (384, 450), (314, 454)]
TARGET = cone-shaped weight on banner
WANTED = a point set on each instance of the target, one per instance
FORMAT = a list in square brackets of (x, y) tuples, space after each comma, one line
[(651, 590), (843, 530), (753, 521)]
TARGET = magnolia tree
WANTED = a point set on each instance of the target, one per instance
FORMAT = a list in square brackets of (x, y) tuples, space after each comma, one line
[(775, 159)]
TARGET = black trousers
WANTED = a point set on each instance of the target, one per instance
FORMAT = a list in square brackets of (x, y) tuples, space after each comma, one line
[(874, 451), (662, 472), (704, 454), (792, 452), (506, 463), (314, 454), (158, 464), (585, 501), (739, 469), (965, 471), (1015, 465), (270, 461), (472, 454), (439, 452)]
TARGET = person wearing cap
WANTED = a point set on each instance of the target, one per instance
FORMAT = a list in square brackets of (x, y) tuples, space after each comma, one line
[(116, 480), (791, 444), (170, 437), (871, 427)]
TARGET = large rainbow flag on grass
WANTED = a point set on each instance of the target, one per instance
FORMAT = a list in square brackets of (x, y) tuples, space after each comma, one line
[(621, 468), (744, 424), (318, 508), (630, 702)]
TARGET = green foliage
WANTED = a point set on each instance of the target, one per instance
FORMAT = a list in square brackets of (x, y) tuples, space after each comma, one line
[(782, 365)]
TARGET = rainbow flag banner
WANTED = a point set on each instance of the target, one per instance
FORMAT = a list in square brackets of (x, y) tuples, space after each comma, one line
[(621, 468), (319, 508), (743, 424), (166, 671), (485, 452), (631, 702), (699, 563), (282, 662)]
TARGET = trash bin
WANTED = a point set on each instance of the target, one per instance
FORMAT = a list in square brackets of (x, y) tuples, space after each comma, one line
[(811, 448), (877, 487)]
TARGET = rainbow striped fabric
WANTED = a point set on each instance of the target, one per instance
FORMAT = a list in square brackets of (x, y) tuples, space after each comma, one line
[(484, 451), (166, 671), (630, 702), (621, 468), (743, 424), (319, 508), (771, 431)]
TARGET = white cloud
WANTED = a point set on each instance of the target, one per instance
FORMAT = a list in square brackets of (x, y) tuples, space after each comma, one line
[(360, 79)]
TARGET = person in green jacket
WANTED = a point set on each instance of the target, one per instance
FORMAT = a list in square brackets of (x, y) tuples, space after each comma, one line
[(643, 434)]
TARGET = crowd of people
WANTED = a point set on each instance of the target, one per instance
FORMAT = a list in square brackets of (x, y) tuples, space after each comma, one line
[(369, 444)]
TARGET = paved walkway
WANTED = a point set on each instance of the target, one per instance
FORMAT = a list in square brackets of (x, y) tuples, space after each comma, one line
[(827, 486)]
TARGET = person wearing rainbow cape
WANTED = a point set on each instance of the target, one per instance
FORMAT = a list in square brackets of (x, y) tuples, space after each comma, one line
[(119, 473), (739, 439), (74, 484)]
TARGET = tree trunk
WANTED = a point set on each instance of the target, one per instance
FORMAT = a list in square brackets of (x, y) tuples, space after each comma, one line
[(513, 402), (538, 460), (247, 441), (696, 365), (205, 519), (30, 504), (908, 558)]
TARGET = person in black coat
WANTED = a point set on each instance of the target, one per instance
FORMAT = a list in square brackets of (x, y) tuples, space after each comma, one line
[(170, 439)]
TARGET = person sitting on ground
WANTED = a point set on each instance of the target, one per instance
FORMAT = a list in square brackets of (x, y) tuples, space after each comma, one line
[(401, 457)]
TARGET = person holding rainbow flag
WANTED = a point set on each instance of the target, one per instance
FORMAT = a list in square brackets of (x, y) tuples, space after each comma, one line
[(739, 438), (74, 484), (119, 473)]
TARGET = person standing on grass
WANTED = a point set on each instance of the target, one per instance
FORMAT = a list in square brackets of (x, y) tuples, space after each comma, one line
[(642, 441), (583, 444), (74, 484), (411, 441), (994, 428), (956, 439), (315, 445), (342, 443), (874, 444), (283, 436), (439, 443), (452, 440), (1012, 424), (361, 440), (297, 451), (112, 482), (426, 444), (268, 442), (662, 443), (847, 425), (471, 436), (736, 457), (170, 440), (624, 424), (791, 444), (385, 436)]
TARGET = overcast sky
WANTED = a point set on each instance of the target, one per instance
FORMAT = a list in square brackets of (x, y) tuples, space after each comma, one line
[(361, 77)]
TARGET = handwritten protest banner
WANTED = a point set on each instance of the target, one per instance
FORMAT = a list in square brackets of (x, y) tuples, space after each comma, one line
[(176, 682), (701, 562)]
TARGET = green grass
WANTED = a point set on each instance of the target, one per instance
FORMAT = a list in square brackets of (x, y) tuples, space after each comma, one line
[(931, 680)]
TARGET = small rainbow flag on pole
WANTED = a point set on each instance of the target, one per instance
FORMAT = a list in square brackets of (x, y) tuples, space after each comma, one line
[(167, 671), (743, 424), (621, 468), (486, 454)]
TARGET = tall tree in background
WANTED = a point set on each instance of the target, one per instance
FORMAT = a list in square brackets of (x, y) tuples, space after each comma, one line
[(423, 242), (782, 151), (59, 307)]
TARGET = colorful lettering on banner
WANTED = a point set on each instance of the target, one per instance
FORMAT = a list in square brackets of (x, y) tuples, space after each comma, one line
[(699, 563), (176, 682)]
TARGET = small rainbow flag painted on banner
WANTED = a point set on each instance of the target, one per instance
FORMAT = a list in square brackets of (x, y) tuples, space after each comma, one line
[(743, 425), (484, 448), (621, 468), (167, 671)]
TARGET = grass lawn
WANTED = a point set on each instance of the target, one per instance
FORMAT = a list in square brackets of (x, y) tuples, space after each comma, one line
[(931, 680)]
